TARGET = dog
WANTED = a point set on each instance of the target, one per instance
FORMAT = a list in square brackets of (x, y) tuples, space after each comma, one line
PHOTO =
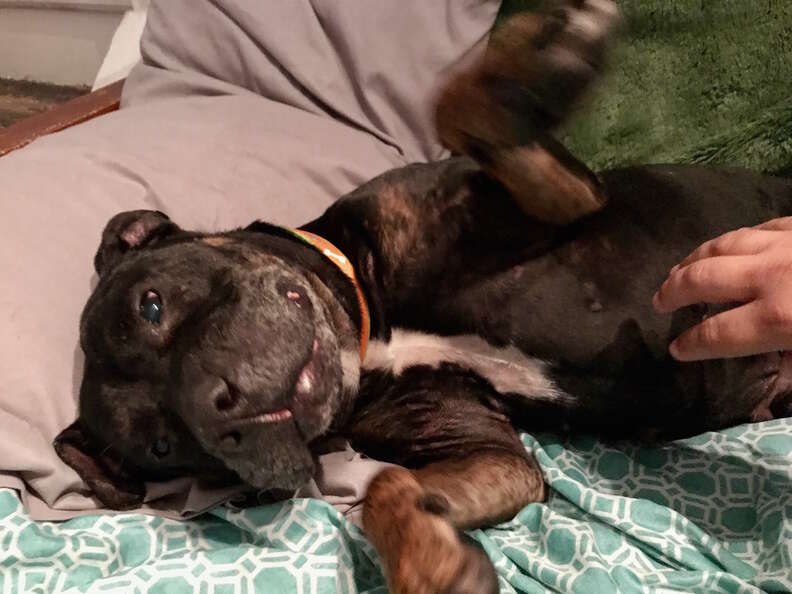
[(427, 316)]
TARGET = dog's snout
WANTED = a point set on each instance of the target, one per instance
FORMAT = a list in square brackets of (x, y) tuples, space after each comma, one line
[(224, 416), (217, 402)]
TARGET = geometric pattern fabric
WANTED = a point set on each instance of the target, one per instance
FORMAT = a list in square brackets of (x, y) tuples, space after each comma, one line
[(708, 514)]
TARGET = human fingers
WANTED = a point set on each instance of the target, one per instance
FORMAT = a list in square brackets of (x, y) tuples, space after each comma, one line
[(721, 279), (779, 224), (740, 242), (736, 332)]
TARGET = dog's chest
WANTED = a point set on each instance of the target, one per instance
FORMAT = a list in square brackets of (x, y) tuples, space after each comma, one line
[(507, 369)]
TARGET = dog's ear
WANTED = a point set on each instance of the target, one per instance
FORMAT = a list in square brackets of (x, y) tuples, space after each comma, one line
[(105, 476), (130, 230)]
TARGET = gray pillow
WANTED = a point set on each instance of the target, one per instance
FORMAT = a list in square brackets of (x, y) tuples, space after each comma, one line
[(240, 110)]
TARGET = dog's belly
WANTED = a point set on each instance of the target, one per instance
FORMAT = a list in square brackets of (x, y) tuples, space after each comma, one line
[(570, 300), (578, 340), (658, 400), (539, 396)]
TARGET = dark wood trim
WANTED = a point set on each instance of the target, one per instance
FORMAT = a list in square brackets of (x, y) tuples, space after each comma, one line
[(61, 116), (118, 6)]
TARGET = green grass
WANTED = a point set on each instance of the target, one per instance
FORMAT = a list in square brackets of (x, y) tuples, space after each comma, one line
[(692, 81)]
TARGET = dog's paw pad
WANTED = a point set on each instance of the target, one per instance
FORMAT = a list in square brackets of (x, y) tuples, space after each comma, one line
[(587, 21), (476, 575)]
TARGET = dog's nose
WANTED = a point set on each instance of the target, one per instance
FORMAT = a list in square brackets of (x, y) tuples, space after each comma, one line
[(213, 403), (225, 396), (225, 400)]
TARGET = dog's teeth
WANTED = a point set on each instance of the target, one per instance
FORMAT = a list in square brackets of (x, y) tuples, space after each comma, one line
[(274, 417), (305, 383)]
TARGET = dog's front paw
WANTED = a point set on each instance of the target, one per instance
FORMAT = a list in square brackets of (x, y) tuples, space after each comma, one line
[(534, 72), (450, 567), (569, 54)]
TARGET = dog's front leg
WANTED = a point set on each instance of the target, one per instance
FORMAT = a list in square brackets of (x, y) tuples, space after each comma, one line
[(503, 109), (413, 518)]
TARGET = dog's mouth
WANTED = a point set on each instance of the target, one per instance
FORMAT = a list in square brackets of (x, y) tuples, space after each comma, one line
[(303, 389)]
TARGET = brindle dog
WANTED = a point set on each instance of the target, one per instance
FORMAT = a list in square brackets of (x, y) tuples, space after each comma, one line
[(500, 294)]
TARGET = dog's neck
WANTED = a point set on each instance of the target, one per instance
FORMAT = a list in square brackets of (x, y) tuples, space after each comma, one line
[(337, 257), (332, 267)]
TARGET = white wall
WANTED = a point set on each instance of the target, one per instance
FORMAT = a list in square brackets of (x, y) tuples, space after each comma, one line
[(57, 41), (124, 50)]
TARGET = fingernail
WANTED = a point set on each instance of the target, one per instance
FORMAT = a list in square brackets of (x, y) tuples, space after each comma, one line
[(656, 301), (674, 269), (673, 348)]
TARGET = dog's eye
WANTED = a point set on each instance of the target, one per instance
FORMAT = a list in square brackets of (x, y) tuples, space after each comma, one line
[(160, 448), (151, 307)]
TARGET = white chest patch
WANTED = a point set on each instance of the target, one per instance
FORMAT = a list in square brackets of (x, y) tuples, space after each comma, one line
[(508, 369)]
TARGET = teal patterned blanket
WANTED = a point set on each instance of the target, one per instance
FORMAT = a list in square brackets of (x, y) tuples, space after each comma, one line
[(708, 514)]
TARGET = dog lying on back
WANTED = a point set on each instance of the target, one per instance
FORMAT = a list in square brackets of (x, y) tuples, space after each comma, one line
[(427, 317)]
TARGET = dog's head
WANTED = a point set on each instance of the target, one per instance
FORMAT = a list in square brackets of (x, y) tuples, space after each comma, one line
[(208, 356)]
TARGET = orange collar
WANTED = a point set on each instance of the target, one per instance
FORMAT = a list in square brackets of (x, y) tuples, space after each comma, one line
[(337, 257)]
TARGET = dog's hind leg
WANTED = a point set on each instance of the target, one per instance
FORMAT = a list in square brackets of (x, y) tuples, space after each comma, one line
[(413, 518), (502, 110)]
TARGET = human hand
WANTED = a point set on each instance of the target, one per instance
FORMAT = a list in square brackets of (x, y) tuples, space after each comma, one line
[(750, 266)]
